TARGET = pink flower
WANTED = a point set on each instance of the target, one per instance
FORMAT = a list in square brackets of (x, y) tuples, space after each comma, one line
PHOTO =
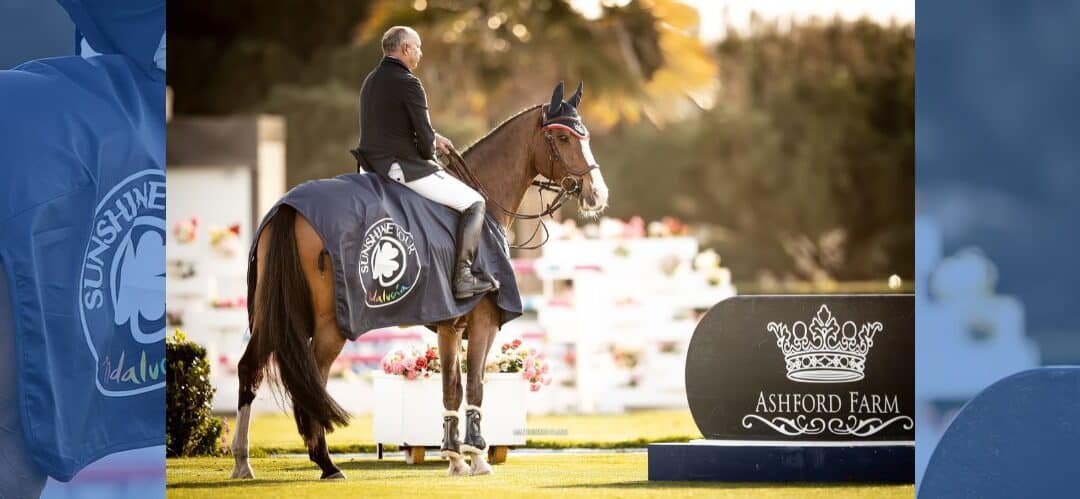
[(534, 388), (421, 362), (530, 373), (412, 374), (516, 343)]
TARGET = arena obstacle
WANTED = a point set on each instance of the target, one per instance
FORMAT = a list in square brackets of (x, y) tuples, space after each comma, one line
[(799, 389), (1017, 438)]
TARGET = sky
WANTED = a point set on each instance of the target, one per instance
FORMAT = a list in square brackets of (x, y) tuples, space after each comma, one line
[(737, 12)]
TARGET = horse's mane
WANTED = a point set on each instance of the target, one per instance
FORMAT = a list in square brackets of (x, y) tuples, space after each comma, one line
[(456, 165), (500, 126)]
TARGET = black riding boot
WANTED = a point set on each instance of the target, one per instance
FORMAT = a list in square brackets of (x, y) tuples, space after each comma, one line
[(474, 443), (467, 284), (451, 445)]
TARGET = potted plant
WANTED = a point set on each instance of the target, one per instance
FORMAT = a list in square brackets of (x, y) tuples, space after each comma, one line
[(409, 408)]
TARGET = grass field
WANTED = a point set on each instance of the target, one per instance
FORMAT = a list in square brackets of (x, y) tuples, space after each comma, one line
[(592, 475), (547, 475), (276, 433)]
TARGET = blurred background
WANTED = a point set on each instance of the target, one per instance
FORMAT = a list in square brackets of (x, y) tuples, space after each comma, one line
[(34, 29), (997, 179), (783, 133), (751, 147)]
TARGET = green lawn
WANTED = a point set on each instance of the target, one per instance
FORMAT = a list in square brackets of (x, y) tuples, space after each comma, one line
[(593, 475), (276, 433)]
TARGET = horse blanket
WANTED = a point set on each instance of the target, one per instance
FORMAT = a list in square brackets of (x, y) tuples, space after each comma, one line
[(82, 207), (393, 253)]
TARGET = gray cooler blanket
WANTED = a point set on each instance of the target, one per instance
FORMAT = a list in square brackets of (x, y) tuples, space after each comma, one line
[(393, 253)]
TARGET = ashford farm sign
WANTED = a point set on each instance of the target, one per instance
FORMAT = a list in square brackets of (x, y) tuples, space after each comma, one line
[(806, 368)]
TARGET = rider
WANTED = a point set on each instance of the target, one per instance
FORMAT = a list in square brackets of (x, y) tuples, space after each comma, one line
[(398, 142)]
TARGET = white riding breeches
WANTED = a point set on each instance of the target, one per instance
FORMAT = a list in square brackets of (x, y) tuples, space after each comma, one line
[(440, 187)]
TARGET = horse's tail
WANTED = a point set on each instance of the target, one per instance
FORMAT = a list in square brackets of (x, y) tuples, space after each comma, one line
[(284, 317)]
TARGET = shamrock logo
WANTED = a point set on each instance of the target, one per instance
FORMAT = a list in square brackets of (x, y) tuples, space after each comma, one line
[(389, 266), (386, 263), (140, 285)]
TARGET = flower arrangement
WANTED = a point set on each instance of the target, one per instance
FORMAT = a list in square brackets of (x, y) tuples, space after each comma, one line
[(225, 240), (174, 318), (515, 358), (186, 231), (613, 228), (708, 264), (220, 303), (667, 227), (412, 363)]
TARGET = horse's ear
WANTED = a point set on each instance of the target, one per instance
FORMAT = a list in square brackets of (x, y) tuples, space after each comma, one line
[(556, 100), (576, 98)]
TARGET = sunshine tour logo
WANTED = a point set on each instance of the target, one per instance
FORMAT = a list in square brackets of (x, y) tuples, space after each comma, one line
[(122, 286), (389, 264), (826, 351)]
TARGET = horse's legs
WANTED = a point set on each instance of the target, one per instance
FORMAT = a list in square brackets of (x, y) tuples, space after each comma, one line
[(483, 324), (327, 344), (449, 345), (249, 372)]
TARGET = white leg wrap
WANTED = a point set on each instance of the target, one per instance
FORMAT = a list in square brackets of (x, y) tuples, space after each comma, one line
[(480, 465), (241, 467), (458, 467)]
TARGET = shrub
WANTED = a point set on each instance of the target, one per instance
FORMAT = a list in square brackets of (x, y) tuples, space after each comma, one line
[(190, 429)]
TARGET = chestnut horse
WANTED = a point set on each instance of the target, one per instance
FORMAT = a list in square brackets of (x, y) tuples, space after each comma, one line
[(293, 308)]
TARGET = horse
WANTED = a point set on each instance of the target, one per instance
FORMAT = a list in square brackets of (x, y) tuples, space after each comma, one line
[(292, 314)]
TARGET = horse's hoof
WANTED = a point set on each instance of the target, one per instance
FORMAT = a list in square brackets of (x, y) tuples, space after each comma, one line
[(458, 467), (338, 475), (480, 467), (242, 471)]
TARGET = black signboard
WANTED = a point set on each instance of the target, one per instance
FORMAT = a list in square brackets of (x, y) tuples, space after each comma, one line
[(805, 368)]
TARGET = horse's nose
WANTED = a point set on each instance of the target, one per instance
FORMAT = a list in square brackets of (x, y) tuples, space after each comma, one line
[(597, 197)]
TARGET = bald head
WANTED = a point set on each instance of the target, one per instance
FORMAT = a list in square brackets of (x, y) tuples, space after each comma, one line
[(397, 36), (402, 43)]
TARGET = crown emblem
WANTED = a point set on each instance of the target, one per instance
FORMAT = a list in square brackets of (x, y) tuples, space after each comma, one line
[(825, 351)]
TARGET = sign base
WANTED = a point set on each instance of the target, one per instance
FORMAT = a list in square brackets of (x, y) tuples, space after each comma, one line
[(777, 461)]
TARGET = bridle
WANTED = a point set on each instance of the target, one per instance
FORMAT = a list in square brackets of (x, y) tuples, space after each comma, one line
[(567, 187)]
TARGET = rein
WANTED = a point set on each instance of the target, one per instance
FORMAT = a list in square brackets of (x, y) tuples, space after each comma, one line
[(568, 186)]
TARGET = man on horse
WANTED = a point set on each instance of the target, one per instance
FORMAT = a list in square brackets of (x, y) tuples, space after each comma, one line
[(398, 142)]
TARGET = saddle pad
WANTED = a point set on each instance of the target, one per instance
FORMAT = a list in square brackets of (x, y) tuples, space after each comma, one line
[(393, 253)]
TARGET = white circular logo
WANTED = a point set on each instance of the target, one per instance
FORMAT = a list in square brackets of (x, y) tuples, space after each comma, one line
[(389, 265), (122, 286)]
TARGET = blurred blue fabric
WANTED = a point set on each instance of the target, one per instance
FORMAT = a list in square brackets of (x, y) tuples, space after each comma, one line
[(33, 29), (79, 137), (996, 182), (996, 148)]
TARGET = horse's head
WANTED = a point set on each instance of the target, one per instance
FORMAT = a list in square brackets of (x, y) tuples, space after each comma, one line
[(570, 160)]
